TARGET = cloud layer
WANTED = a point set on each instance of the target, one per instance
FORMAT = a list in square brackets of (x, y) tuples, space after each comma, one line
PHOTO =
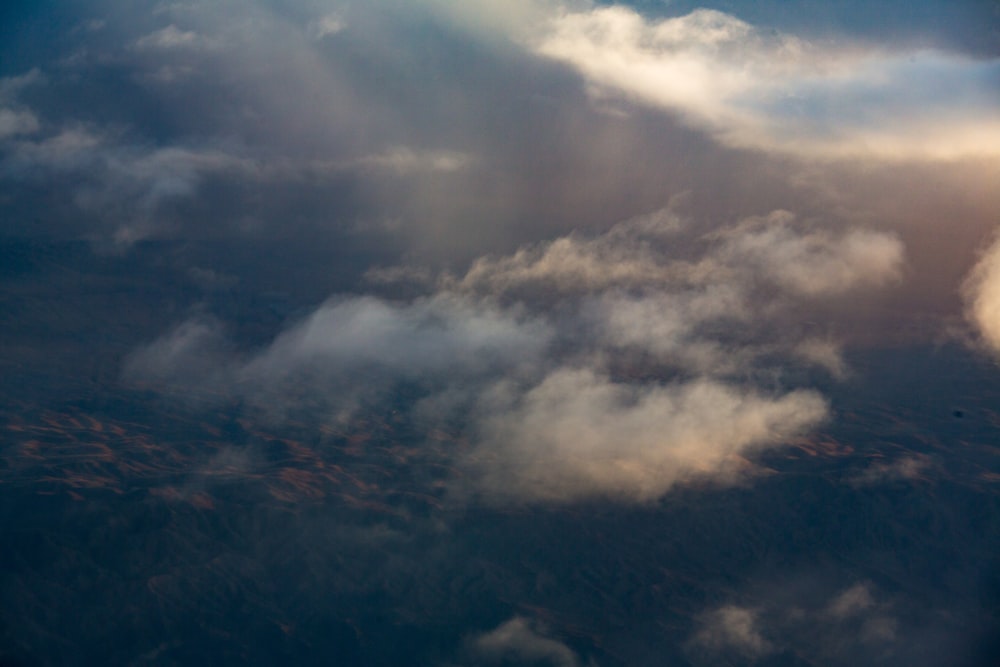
[(586, 366)]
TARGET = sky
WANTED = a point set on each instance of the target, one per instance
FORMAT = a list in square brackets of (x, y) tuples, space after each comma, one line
[(586, 257)]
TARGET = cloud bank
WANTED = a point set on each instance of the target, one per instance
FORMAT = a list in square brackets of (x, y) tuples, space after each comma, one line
[(585, 366)]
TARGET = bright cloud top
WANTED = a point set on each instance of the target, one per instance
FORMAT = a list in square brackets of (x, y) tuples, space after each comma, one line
[(578, 434), (764, 90)]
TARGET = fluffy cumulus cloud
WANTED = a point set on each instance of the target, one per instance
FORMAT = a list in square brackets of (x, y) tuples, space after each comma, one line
[(643, 285), (762, 89), (812, 262), (577, 434)]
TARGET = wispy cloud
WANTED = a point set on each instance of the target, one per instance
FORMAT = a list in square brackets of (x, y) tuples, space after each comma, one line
[(982, 295), (831, 628), (733, 628)]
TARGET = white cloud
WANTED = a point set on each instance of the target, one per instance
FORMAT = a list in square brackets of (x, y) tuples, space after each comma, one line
[(824, 353), (853, 601), (577, 435), (982, 294), (441, 341), (907, 468), (765, 90), (776, 248), (733, 628), (13, 122), (170, 37), (627, 255), (438, 334), (539, 385), (517, 640), (331, 24), (820, 627), (811, 262), (670, 325), (406, 159)]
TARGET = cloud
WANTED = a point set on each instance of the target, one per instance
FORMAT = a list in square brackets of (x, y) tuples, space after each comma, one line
[(15, 119), (811, 262), (577, 435), (328, 25), (765, 90), (732, 628), (702, 308), (533, 355), (405, 159), (706, 303), (10, 86), (347, 352), (121, 187), (170, 37), (14, 122), (776, 248), (624, 256), (907, 468), (192, 355), (854, 600), (826, 354), (981, 290), (837, 628), (680, 327), (518, 640), (429, 335)]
